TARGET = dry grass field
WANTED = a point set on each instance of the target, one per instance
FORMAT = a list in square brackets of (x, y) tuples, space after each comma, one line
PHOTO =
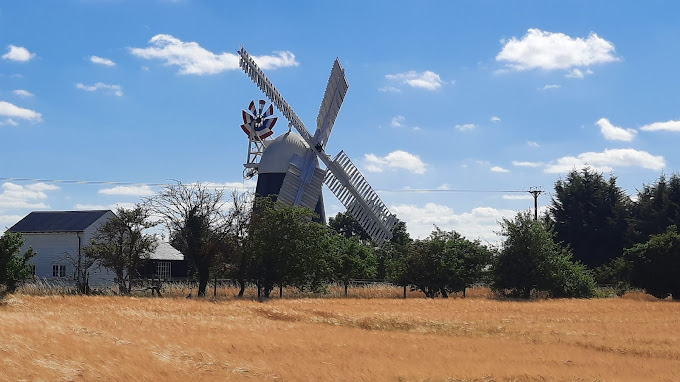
[(109, 338)]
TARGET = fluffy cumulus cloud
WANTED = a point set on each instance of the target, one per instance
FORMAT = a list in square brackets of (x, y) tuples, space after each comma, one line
[(551, 86), (533, 144), (112, 89), (22, 93), (12, 111), (18, 53), (15, 196), (495, 119), (479, 223), (465, 127), (131, 190), (194, 59), (395, 160), (499, 169), (101, 61), (555, 51), (424, 80), (662, 126), (615, 133), (112, 206), (607, 160)]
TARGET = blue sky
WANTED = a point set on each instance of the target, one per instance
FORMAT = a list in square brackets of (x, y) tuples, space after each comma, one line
[(485, 96)]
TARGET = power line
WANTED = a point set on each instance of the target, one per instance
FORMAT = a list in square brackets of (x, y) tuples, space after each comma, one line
[(397, 190)]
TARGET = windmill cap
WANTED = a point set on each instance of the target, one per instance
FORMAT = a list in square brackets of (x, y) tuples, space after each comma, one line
[(280, 152)]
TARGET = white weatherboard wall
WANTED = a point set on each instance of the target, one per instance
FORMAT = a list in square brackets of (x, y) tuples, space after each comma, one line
[(61, 248)]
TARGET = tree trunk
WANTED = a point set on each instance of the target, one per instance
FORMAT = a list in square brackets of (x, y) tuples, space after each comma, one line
[(444, 294), (404, 291), (203, 277), (241, 287), (346, 284), (464, 292), (280, 290)]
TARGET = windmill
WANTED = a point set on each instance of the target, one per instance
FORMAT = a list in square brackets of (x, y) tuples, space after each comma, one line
[(291, 160)]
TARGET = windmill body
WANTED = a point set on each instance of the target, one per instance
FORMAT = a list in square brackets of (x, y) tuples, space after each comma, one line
[(289, 165)]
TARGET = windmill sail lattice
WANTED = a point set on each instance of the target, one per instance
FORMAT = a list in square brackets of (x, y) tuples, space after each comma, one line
[(341, 176)]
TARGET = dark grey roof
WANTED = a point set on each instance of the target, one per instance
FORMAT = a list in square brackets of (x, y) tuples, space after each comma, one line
[(57, 221)]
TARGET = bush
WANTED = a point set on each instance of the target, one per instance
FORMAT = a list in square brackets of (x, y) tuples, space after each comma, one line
[(531, 260), (14, 268)]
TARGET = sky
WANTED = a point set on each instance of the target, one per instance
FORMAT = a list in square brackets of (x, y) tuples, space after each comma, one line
[(454, 110)]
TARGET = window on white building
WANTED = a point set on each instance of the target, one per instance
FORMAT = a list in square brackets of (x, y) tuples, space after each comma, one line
[(58, 270), (163, 270)]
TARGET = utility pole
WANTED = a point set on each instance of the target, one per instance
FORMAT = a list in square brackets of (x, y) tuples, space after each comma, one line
[(535, 191)]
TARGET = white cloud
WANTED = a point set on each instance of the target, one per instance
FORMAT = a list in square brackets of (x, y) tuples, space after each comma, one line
[(102, 61), (114, 89), (499, 169), (398, 121), (659, 126), (526, 164), (552, 86), (465, 127), (615, 133), (479, 223), (10, 110), (23, 93), (112, 206), (132, 190), (42, 187), (517, 197), (389, 89), (18, 53), (16, 196), (495, 119), (607, 160), (425, 80), (551, 51), (533, 144), (194, 59), (395, 160)]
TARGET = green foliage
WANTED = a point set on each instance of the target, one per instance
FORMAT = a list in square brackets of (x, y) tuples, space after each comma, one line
[(14, 267), (445, 262), (353, 260), (122, 245), (288, 248), (655, 264), (590, 215), (657, 207), (615, 274), (530, 259)]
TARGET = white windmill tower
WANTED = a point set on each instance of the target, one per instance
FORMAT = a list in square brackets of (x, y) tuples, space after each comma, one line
[(290, 162)]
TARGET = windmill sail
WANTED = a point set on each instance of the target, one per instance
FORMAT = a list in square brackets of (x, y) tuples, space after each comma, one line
[(342, 177), (330, 106)]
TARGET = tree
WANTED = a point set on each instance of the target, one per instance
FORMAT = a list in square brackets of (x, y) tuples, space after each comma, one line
[(656, 207), (288, 248), (193, 215), (655, 264), (590, 215), (237, 258), (354, 260), (445, 262), (122, 245), (531, 259), (14, 267), (347, 226)]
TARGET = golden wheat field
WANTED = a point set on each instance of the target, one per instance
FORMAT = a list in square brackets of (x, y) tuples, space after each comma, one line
[(109, 338)]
